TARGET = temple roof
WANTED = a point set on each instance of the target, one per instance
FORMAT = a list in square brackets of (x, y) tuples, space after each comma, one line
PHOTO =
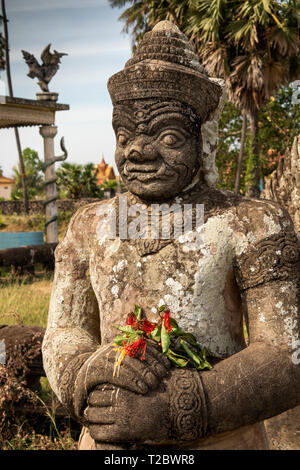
[(4, 180), (104, 172)]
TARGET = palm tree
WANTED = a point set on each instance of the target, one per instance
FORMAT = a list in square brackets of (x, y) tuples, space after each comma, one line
[(254, 45), (78, 181)]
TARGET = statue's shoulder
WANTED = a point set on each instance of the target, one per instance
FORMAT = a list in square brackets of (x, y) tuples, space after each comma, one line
[(256, 218), (83, 223), (217, 201), (267, 246), (263, 218), (88, 214)]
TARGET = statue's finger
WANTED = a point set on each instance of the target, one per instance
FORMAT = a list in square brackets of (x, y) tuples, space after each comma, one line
[(121, 376), (132, 374), (102, 397), (95, 415), (153, 353), (136, 379)]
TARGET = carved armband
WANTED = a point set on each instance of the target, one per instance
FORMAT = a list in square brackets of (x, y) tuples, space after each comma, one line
[(274, 258), (188, 412)]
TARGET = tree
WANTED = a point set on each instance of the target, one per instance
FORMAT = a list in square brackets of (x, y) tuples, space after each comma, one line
[(110, 184), (77, 181), (34, 176), (278, 124), (254, 45)]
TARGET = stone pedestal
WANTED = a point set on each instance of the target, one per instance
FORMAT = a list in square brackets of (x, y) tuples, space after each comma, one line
[(47, 96), (48, 133)]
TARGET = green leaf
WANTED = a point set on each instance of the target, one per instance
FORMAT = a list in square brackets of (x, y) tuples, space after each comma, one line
[(165, 339), (162, 308), (205, 365), (131, 331), (195, 357), (174, 323), (205, 362), (177, 331), (118, 340), (191, 339), (156, 334), (177, 359), (138, 312)]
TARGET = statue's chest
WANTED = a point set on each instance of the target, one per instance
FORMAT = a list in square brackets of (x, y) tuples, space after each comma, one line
[(189, 281)]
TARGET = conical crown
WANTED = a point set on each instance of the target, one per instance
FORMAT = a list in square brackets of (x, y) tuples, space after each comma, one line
[(166, 66)]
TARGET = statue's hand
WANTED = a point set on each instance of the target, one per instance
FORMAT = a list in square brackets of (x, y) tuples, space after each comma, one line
[(117, 415), (133, 374), (174, 412)]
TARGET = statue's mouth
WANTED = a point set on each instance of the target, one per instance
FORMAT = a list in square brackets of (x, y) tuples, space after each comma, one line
[(144, 171)]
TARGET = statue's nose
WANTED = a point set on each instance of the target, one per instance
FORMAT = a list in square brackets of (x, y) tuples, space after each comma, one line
[(140, 150)]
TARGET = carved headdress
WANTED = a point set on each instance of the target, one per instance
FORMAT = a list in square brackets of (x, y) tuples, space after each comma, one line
[(165, 66)]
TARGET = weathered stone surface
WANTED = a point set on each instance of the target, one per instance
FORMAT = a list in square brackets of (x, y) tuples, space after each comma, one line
[(284, 430), (283, 185), (246, 262)]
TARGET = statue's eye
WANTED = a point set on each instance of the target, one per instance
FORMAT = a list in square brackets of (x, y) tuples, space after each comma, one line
[(172, 139)]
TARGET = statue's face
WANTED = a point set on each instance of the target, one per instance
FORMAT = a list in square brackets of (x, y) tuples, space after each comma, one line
[(158, 147)]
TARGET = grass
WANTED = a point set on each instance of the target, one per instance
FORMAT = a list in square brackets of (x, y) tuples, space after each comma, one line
[(24, 303)]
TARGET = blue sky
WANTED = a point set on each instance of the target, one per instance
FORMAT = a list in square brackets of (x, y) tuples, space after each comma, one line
[(89, 31)]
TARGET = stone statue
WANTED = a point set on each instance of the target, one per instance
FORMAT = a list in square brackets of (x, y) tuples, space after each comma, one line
[(165, 116), (283, 185), (46, 71)]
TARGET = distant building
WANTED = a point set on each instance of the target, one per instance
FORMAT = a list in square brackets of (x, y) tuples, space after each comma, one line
[(6, 185), (104, 172)]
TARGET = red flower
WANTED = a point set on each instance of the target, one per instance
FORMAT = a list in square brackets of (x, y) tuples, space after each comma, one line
[(146, 326), (137, 348), (167, 321), (131, 319)]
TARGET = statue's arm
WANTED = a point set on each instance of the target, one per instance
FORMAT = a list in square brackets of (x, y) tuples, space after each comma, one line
[(73, 328), (263, 380)]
